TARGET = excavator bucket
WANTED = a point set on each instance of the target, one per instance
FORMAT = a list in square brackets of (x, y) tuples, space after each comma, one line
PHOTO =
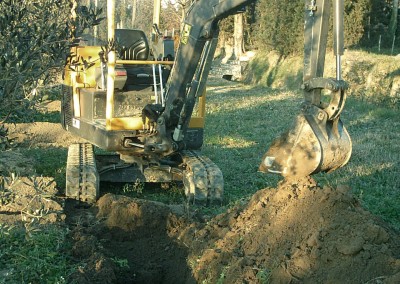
[(318, 140), (312, 145)]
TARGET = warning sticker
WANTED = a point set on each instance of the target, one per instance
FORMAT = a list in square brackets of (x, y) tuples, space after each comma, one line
[(185, 33)]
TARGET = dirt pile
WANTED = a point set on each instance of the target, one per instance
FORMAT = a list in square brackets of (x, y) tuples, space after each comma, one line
[(29, 199), (41, 134), (298, 233), (294, 234)]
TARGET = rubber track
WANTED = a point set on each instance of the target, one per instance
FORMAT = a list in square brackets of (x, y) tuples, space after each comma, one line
[(82, 178), (203, 179)]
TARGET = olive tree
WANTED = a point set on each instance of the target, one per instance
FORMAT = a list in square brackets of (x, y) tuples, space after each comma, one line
[(35, 38)]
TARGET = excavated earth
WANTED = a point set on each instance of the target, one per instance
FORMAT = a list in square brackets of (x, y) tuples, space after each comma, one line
[(295, 233)]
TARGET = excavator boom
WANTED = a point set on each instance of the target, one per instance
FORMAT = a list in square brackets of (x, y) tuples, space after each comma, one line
[(189, 75)]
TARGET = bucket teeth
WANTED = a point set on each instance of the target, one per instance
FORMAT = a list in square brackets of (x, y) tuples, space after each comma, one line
[(82, 179)]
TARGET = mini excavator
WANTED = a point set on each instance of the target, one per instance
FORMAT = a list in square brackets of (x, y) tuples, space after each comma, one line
[(148, 108)]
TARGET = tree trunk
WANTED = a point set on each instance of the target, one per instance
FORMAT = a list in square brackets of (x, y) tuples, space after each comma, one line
[(123, 15), (393, 19), (238, 35), (134, 8), (95, 28), (156, 12)]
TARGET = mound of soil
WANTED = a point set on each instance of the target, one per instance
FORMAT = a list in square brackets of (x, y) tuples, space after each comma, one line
[(294, 234), (41, 134), (27, 199), (298, 233)]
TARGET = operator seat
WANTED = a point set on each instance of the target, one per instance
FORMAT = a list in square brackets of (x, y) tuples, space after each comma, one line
[(133, 45)]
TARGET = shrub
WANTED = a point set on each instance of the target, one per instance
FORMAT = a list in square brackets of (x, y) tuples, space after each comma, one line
[(36, 37), (280, 24)]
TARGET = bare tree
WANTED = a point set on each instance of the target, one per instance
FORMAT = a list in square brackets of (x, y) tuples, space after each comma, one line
[(171, 16), (134, 9)]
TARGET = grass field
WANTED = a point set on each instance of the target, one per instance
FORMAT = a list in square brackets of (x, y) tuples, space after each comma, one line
[(241, 122)]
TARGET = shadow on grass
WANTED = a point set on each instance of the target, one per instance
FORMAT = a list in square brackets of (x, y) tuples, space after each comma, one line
[(272, 70), (38, 111), (35, 115), (241, 122)]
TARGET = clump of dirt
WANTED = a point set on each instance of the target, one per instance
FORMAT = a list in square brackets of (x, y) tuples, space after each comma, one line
[(29, 199), (296, 233)]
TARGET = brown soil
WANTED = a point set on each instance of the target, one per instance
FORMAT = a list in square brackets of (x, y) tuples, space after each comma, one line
[(298, 233), (137, 235), (31, 199), (41, 134)]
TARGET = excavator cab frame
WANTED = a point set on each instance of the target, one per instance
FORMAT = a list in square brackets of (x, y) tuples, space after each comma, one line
[(101, 106)]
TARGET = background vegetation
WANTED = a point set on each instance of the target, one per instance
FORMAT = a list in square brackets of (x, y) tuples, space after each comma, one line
[(367, 24), (36, 35), (35, 38)]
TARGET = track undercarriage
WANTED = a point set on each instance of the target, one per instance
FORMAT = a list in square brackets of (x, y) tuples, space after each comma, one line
[(202, 179)]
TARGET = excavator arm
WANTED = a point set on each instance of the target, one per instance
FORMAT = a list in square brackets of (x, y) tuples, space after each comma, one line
[(318, 140), (189, 74)]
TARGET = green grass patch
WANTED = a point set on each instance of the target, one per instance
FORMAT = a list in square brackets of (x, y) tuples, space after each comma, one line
[(49, 162), (171, 193), (241, 122), (34, 115), (271, 70), (373, 169), (37, 255), (28, 115)]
